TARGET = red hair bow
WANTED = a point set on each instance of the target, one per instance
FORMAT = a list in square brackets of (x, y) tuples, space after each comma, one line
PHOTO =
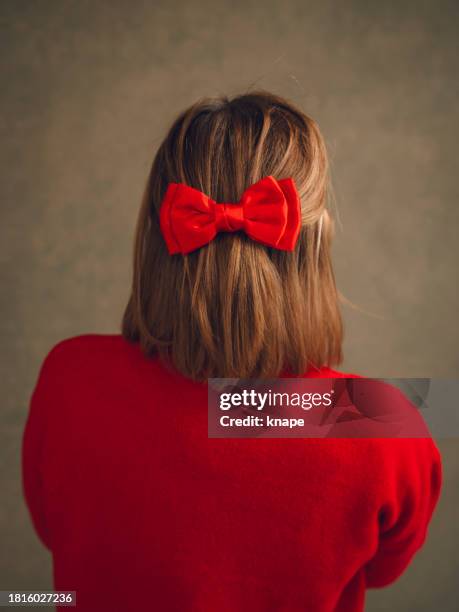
[(268, 212)]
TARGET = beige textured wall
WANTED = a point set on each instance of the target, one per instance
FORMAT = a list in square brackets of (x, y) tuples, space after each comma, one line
[(88, 88)]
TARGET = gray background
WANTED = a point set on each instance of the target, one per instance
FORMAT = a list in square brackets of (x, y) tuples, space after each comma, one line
[(88, 89)]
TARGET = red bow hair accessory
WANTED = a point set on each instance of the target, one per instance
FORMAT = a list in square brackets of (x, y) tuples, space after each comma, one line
[(268, 212)]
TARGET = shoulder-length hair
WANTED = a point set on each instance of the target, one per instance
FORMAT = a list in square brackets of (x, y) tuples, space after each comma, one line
[(236, 308)]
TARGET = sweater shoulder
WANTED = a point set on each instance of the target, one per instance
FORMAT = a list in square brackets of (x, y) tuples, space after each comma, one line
[(326, 372), (85, 343), (85, 352)]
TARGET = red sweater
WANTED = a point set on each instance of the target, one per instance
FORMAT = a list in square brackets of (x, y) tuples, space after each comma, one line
[(142, 511)]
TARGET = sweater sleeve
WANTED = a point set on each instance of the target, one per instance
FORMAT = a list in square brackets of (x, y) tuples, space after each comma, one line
[(412, 489), (33, 447)]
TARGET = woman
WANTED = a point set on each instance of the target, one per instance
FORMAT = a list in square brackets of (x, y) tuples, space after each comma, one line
[(232, 278)]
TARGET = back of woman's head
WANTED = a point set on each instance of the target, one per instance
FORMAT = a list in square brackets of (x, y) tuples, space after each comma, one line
[(234, 307)]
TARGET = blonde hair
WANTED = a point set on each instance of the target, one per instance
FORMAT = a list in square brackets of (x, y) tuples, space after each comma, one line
[(236, 308)]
